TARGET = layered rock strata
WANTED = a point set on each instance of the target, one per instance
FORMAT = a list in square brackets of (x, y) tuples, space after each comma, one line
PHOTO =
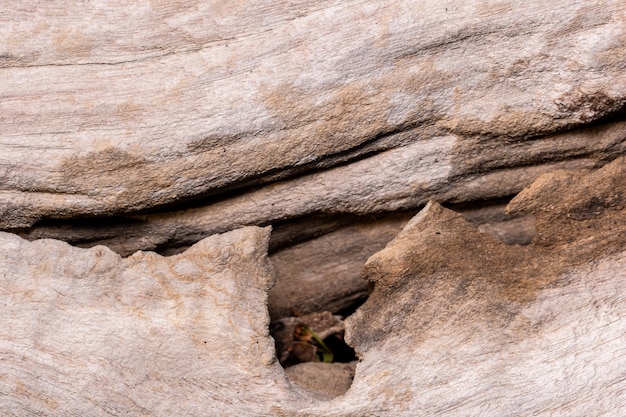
[(151, 126), (457, 323), (279, 110)]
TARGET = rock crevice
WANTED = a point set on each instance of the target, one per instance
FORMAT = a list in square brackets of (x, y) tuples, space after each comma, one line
[(450, 307)]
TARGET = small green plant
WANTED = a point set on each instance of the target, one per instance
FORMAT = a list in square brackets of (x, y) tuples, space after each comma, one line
[(309, 347)]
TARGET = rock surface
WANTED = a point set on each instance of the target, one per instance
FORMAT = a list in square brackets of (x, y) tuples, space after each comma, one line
[(269, 111), (458, 323), (324, 273), (503, 330), (85, 332), (198, 119), (157, 125), (326, 380)]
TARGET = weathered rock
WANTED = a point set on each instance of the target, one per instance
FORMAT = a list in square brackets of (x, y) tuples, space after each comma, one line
[(325, 380), (196, 119), (473, 327), (204, 119), (493, 219), (458, 323), (324, 273), (394, 180), (85, 332), (272, 111)]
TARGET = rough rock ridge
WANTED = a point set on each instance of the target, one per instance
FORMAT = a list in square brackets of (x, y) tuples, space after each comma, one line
[(457, 324)]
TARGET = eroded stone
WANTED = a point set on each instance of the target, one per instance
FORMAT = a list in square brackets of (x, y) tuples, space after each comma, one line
[(85, 332), (281, 110), (457, 323)]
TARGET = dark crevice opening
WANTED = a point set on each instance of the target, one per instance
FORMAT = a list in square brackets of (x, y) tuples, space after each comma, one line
[(487, 215), (342, 352)]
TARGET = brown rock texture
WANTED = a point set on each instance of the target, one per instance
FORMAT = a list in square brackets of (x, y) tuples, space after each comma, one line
[(265, 112), (504, 330), (152, 126), (148, 148), (457, 323)]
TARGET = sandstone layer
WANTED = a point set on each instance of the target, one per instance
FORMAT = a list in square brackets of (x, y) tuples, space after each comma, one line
[(457, 323), (152, 125), (265, 112), (190, 129)]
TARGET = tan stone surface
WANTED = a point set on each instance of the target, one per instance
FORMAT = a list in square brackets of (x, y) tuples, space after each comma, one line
[(156, 125), (325, 380), (112, 108), (458, 322), (85, 332)]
